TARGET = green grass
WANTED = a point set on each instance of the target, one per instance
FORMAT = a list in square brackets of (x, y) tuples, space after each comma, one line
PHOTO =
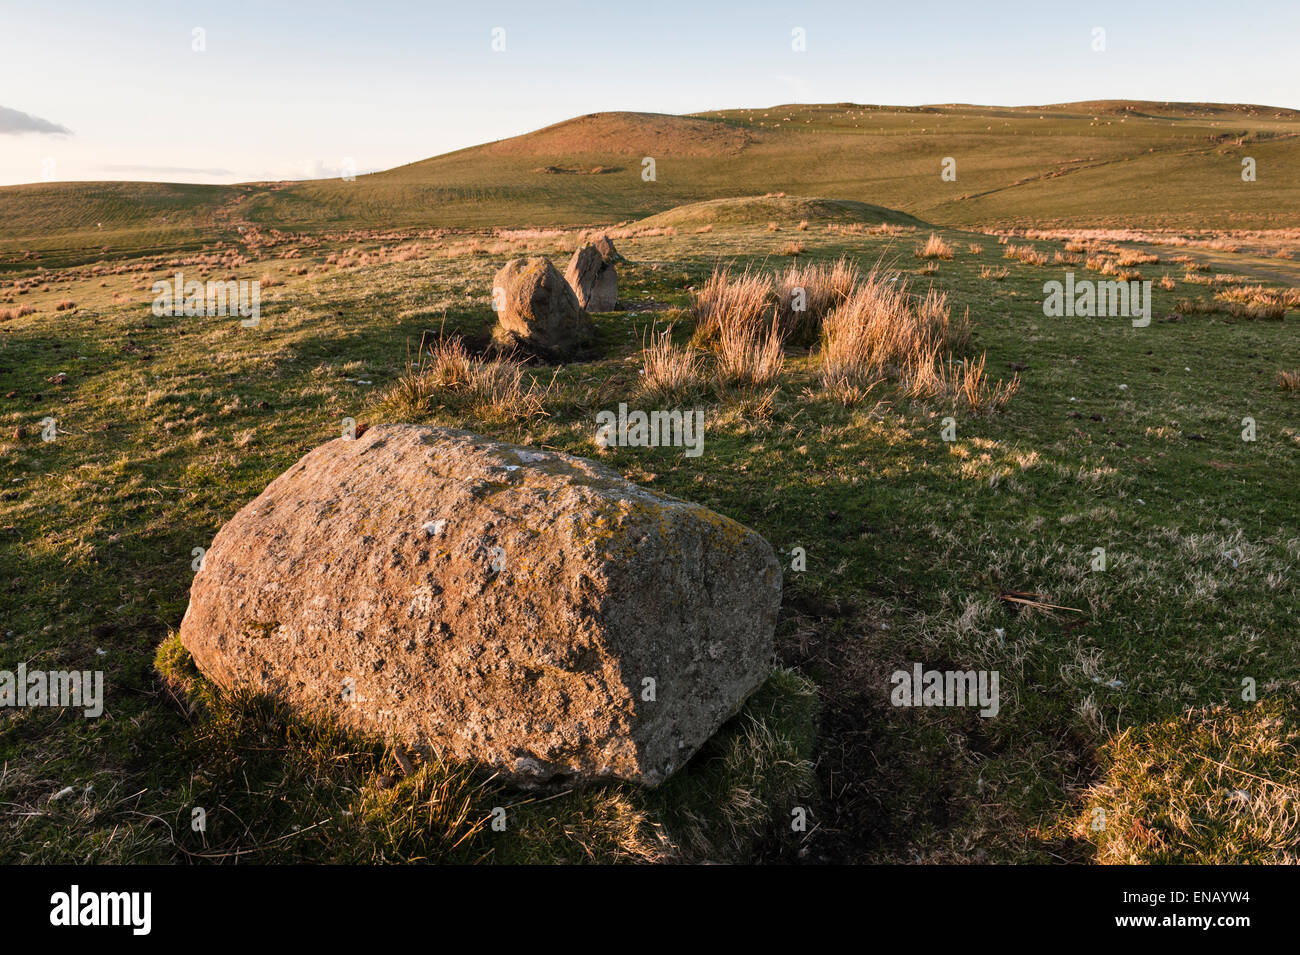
[(70, 222), (1215, 785), (168, 426)]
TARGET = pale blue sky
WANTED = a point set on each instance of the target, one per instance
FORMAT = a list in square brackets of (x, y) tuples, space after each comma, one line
[(288, 90)]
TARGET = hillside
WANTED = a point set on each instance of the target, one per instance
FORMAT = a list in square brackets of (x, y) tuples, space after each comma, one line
[(774, 207), (1100, 164), (67, 218)]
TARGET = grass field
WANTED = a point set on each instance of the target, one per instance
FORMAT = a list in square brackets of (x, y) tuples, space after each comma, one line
[(1123, 733), (1102, 164)]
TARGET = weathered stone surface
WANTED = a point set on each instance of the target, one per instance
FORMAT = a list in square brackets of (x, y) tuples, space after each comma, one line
[(605, 246), (537, 310), (593, 279), (492, 603)]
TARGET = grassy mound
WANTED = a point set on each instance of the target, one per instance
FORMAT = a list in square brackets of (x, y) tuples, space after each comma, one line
[(759, 210), (629, 134)]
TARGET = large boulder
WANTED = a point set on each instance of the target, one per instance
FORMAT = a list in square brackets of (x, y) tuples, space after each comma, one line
[(537, 310), (593, 277), (528, 611)]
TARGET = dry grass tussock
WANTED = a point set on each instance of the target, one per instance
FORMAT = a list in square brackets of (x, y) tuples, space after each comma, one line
[(744, 300), (964, 381), (494, 388), (1135, 257), (669, 372), (859, 228), (934, 248), (871, 328), (880, 330), (1287, 298), (1025, 253), (806, 294), (750, 356), (747, 318), (356, 256), (1249, 302)]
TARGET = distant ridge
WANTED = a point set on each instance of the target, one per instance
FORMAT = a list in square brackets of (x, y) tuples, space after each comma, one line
[(1102, 163)]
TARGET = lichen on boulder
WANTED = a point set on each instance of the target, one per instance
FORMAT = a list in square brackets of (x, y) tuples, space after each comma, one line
[(523, 610)]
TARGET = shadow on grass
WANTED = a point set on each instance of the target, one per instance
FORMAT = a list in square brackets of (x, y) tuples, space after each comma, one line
[(276, 788)]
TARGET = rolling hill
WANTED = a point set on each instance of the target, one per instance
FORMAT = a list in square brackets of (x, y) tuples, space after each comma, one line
[(754, 210), (1089, 164)]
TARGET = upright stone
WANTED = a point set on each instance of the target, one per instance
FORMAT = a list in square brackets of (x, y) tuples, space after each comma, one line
[(537, 311), (593, 277)]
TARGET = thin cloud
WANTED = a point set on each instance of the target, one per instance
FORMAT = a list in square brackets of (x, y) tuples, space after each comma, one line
[(14, 122), (167, 170)]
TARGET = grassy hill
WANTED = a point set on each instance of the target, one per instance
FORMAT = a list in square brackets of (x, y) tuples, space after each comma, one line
[(69, 219), (774, 207), (1098, 164)]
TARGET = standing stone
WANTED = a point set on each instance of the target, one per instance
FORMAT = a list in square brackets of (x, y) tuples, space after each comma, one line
[(524, 610), (537, 311), (593, 277), (607, 251), (594, 282)]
